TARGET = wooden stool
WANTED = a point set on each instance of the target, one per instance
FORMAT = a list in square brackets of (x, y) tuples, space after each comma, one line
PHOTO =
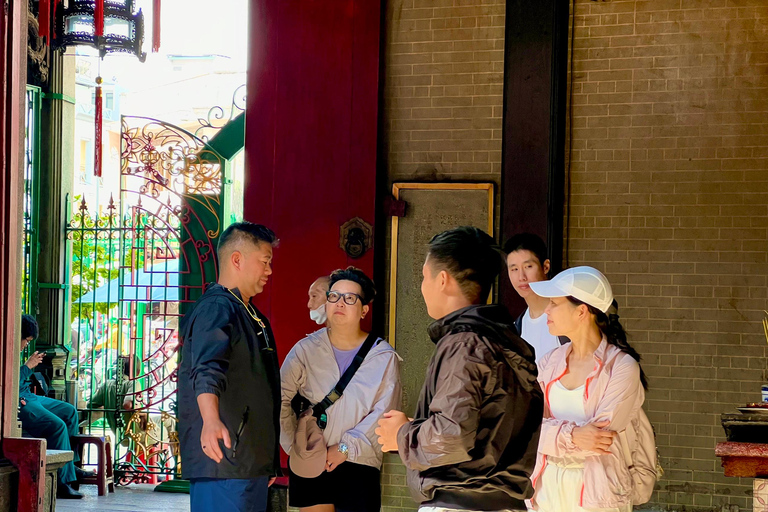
[(104, 479)]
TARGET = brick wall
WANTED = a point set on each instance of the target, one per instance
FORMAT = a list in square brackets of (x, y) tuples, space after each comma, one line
[(444, 71), (668, 188), (669, 196), (443, 96)]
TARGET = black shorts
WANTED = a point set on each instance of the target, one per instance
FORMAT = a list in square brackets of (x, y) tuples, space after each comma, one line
[(349, 487)]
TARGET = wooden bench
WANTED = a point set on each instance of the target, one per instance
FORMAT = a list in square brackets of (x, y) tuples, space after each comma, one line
[(54, 460), (37, 467)]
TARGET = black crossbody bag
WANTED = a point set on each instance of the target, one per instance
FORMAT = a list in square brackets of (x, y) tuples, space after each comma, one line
[(299, 404)]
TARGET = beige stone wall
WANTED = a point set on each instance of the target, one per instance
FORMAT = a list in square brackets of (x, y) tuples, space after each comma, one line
[(669, 196), (444, 72)]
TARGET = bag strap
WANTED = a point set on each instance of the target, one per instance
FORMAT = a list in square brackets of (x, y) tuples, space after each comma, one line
[(318, 411)]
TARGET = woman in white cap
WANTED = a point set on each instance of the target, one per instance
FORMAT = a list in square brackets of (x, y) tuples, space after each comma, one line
[(594, 390)]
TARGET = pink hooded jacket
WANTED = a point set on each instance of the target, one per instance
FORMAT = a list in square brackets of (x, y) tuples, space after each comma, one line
[(612, 392)]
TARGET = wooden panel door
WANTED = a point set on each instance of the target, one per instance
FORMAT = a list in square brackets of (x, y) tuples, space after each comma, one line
[(310, 142)]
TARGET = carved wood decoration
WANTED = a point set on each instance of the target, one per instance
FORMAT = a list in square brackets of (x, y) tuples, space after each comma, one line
[(37, 50)]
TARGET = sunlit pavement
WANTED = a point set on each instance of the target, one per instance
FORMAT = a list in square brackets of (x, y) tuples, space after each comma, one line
[(126, 499)]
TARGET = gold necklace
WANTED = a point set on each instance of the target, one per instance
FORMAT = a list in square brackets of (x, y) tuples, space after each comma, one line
[(249, 309)]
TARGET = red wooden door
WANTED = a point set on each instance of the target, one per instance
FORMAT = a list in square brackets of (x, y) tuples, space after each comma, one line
[(310, 142)]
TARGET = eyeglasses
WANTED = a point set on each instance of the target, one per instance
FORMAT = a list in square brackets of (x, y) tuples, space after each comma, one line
[(350, 299)]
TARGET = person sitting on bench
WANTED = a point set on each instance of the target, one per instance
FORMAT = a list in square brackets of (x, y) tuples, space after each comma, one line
[(43, 417), (107, 394)]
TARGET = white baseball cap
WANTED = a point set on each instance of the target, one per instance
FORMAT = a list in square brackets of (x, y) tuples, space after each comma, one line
[(586, 284)]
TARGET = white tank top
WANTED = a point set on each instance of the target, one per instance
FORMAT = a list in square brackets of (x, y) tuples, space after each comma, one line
[(567, 404)]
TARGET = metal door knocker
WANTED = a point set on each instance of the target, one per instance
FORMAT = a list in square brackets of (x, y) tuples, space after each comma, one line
[(356, 237)]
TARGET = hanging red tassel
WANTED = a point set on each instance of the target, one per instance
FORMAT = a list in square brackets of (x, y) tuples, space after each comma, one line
[(97, 135), (98, 18), (53, 17), (156, 26), (44, 20)]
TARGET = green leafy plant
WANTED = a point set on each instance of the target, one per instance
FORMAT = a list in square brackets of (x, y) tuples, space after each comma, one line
[(93, 265)]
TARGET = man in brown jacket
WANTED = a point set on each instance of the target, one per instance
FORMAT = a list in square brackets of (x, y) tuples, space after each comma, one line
[(472, 443)]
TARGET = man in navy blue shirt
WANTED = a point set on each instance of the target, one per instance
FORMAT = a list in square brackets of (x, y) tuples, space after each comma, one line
[(229, 381)]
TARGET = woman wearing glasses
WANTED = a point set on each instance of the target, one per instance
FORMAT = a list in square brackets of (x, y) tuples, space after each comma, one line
[(312, 369)]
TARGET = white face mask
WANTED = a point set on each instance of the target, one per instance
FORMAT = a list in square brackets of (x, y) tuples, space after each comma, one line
[(318, 315)]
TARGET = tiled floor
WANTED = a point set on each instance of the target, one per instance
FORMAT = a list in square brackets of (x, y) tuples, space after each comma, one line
[(126, 499)]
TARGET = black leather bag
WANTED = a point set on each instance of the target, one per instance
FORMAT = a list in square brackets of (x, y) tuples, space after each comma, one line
[(38, 384)]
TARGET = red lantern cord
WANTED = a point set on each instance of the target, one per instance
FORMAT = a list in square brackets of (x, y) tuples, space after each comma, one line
[(97, 135), (98, 18), (53, 17), (44, 19), (156, 26)]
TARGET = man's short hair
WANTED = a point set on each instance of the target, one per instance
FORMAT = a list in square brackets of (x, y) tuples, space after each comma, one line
[(245, 232), (469, 255), (527, 242), (368, 290), (29, 327)]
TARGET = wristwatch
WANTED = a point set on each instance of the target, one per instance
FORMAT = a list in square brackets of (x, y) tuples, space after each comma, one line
[(344, 449)]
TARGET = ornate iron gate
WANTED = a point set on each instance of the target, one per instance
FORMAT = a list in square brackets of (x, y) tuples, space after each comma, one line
[(151, 256)]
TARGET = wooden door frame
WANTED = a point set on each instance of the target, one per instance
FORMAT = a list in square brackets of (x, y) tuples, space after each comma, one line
[(13, 48), (534, 128)]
